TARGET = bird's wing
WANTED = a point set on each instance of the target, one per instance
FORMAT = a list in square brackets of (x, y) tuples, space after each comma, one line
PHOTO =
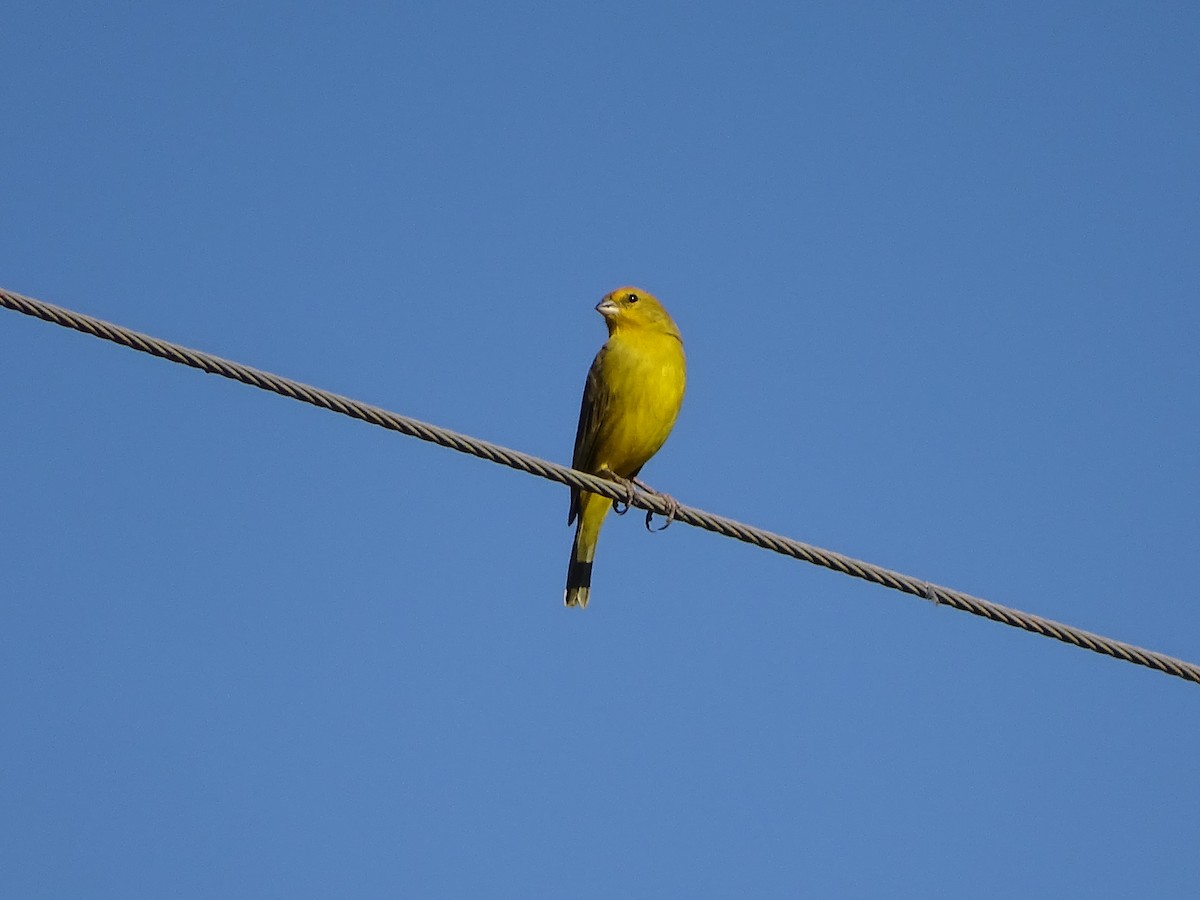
[(592, 413)]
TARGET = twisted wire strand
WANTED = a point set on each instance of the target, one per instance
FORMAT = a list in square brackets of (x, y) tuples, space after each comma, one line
[(554, 472)]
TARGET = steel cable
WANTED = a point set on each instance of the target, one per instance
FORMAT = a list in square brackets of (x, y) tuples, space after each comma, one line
[(565, 475)]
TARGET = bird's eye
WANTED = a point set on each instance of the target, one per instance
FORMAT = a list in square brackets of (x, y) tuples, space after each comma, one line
[(631, 298)]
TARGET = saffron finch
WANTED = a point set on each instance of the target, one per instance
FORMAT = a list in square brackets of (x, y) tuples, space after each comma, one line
[(630, 402)]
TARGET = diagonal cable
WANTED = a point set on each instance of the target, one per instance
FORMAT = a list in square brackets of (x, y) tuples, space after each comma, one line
[(555, 472)]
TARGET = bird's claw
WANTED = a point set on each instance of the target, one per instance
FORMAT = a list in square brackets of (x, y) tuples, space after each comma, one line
[(632, 486), (673, 508), (621, 506), (671, 503)]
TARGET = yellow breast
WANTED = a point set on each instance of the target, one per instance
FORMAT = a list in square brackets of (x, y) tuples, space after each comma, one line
[(645, 373)]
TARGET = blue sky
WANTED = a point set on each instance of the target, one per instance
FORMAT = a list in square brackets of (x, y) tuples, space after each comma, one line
[(936, 269)]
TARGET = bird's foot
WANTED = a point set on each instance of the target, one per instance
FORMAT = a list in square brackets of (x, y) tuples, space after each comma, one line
[(671, 503), (621, 506)]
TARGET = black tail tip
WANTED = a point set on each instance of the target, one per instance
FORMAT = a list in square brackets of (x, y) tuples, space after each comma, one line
[(579, 580)]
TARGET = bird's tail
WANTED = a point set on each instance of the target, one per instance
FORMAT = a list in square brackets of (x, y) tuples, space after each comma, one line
[(592, 509), (579, 582)]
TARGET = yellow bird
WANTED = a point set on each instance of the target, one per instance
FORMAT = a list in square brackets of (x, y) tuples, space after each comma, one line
[(630, 402)]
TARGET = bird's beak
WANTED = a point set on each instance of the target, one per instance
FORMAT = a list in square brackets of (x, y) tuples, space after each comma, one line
[(607, 307)]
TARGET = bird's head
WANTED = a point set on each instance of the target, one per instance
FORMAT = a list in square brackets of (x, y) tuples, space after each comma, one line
[(630, 307)]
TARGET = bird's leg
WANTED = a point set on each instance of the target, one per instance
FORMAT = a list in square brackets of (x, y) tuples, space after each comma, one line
[(620, 507), (671, 502)]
